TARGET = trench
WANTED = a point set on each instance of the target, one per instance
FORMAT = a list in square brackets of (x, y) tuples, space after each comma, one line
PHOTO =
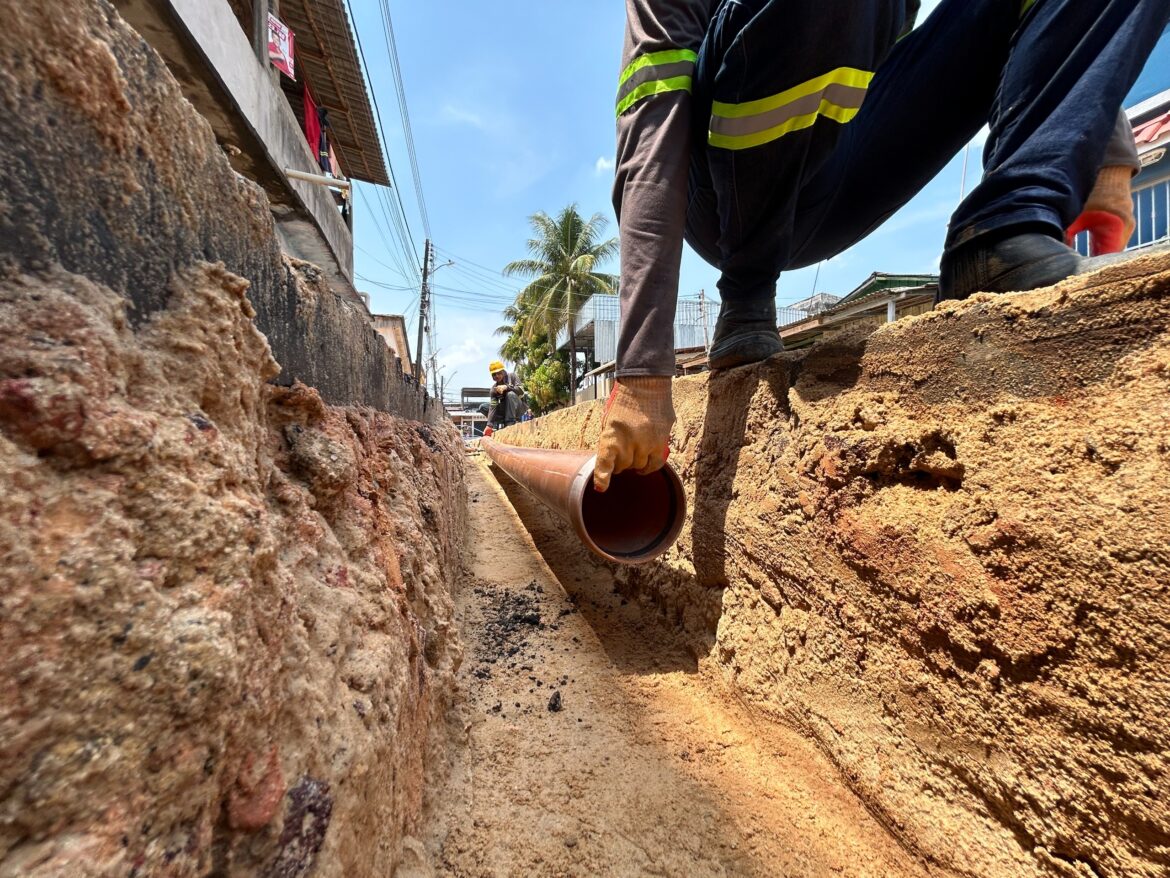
[(590, 742)]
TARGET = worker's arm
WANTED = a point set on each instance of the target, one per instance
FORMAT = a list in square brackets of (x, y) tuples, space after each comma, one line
[(1122, 150), (514, 385), (1108, 211), (654, 131)]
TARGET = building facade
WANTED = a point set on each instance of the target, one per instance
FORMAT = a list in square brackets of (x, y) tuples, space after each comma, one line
[(392, 328), (281, 84), (879, 299), (599, 322)]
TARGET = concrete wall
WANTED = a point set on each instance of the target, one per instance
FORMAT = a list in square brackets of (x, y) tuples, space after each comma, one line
[(108, 172), (202, 42)]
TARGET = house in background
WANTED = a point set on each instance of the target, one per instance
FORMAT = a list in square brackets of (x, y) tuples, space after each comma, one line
[(277, 128), (599, 322), (879, 299), (470, 413), (392, 328)]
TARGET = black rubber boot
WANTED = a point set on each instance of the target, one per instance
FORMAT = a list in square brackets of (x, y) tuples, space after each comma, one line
[(745, 333), (1026, 261)]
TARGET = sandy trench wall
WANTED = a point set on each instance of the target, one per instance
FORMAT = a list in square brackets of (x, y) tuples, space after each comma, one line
[(224, 603), (942, 550)]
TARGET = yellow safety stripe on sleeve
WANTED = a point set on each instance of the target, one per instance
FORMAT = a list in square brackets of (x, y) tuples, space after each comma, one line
[(1025, 6), (654, 87), (835, 95), (655, 73), (670, 56)]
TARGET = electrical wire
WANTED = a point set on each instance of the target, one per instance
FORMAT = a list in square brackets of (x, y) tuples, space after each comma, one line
[(405, 225), (404, 112), (391, 251)]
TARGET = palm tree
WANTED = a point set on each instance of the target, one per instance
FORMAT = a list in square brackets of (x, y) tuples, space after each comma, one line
[(515, 348), (563, 257)]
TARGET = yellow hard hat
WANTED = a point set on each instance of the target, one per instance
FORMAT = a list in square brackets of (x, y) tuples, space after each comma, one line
[(495, 366)]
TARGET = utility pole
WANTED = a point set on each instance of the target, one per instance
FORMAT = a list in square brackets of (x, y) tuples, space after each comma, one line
[(424, 306), (703, 317)]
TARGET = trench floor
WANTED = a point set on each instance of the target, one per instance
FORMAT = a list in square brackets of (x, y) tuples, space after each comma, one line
[(592, 743)]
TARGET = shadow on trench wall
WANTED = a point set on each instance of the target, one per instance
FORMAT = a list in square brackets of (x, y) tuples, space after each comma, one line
[(824, 370), (724, 435)]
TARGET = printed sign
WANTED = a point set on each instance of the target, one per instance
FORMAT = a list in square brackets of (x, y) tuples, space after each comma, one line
[(280, 46), (1153, 157)]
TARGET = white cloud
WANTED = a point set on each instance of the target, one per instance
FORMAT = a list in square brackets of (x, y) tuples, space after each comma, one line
[(460, 116), (603, 165), (468, 352)]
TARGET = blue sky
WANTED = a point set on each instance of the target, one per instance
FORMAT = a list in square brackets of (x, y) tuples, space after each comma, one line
[(511, 105)]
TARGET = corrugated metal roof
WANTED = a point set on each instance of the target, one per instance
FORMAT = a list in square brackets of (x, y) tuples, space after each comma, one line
[(1151, 131), (327, 55)]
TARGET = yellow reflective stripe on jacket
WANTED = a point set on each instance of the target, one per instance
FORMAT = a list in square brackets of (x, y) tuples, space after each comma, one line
[(835, 95), (655, 73), (1025, 6), (655, 87), (670, 56)]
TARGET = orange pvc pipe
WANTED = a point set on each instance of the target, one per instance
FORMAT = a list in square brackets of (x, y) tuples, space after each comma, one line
[(633, 522)]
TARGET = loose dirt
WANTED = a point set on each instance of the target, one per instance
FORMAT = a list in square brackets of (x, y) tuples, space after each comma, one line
[(592, 745)]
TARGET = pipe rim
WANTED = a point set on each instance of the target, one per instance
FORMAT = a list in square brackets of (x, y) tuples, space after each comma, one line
[(676, 516)]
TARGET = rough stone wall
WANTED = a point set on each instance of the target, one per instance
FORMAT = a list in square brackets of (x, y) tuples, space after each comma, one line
[(224, 603), (225, 606), (942, 551), (109, 172)]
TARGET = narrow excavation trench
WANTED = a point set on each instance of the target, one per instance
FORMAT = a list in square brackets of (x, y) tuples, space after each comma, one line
[(591, 744)]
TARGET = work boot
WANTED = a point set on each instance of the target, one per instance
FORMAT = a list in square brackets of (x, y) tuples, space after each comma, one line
[(1026, 261), (745, 333)]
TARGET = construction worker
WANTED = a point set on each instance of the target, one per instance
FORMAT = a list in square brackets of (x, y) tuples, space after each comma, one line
[(507, 404), (774, 134)]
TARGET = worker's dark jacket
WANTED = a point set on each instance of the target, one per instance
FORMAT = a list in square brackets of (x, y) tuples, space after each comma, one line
[(656, 136), (506, 409)]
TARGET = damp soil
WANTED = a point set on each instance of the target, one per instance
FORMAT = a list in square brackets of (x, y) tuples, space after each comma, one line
[(589, 743)]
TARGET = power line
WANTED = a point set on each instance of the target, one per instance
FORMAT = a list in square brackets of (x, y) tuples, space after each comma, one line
[(390, 250), (388, 267), (382, 284), (404, 112), (495, 273), (464, 260), (382, 134), (471, 277), (403, 234)]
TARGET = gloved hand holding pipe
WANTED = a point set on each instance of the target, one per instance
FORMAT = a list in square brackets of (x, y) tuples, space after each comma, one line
[(635, 430)]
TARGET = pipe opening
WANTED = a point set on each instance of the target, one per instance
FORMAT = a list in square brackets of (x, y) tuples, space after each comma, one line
[(638, 517)]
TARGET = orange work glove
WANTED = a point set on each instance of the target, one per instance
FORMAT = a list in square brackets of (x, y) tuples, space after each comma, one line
[(1108, 214), (635, 433), (487, 431)]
